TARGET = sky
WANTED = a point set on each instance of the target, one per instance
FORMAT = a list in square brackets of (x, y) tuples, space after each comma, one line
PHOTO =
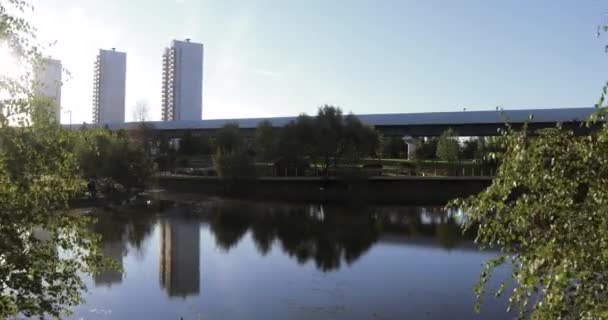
[(281, 58)]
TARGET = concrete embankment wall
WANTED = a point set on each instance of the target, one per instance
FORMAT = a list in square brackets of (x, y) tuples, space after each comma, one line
[(380, 190)]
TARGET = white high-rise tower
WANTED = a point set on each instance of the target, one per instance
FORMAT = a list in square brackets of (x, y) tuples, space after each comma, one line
[(182, 91), (47, 83), (109, 87)]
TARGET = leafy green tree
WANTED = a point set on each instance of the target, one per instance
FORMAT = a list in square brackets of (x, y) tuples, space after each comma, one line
[(394, 148), (195, 145), (359, 140), (426, 149), (306, 138), (205, 145), (105, 154), (469, 149), (38, 175), (489, 149), (289, 146), (447, 146), (327, 138), (266, 141), (234, 164), (228, 138), (147, 136), (232, 159), (547, 210), (187, 144), (329, 126)]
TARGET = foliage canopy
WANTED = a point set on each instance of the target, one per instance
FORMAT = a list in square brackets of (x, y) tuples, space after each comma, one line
[(547, 210), (43, 249), (447, 146)]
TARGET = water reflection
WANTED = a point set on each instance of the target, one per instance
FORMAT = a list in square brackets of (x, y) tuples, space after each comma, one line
[(179, 257), (310, 261), (118, 231), (328, 235), (114, 250)]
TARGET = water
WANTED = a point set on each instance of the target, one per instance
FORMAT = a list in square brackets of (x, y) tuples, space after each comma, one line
[(224, 259)]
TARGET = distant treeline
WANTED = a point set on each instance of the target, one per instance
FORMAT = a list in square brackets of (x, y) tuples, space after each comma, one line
[(320, 143)]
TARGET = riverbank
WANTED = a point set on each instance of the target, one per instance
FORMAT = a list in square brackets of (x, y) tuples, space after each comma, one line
[(379, 190)]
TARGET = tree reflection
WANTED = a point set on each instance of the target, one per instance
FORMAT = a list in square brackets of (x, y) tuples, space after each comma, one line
[(329, 236), (117, 232), (229, 224)]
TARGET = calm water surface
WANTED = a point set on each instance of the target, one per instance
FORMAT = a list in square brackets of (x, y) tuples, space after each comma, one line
[(226, 259)]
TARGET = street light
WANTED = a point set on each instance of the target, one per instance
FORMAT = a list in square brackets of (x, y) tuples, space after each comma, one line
[(70, 112)]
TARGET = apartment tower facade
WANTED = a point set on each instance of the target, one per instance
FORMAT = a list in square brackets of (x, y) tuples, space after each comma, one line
[(182, 85), (109, 87)]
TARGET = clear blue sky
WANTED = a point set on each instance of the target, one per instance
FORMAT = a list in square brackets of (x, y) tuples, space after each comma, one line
[(276, 57)]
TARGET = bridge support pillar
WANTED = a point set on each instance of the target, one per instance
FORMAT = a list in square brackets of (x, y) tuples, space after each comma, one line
[(411, 146), (411, 150)]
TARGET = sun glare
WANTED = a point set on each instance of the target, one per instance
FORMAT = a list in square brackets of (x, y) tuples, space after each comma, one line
[(10, 65)]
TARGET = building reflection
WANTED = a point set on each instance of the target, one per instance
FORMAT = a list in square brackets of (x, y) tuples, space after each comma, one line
[(179, 268), (114, 250), (118, 232)]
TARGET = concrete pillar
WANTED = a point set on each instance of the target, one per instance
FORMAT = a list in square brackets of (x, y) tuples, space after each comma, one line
[(411, 146), (411, 150)]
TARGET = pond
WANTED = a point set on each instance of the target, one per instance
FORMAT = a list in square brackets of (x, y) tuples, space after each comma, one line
[(227, 259)]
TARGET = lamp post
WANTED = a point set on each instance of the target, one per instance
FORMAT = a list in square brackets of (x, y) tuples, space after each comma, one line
[(70, 112)]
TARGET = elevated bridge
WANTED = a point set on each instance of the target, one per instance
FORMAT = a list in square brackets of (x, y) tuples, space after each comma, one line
[(429, 124)]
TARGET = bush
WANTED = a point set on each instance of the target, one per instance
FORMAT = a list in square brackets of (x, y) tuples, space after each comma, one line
[(236, 164), (104, 154), (394, 148), (447, 146)]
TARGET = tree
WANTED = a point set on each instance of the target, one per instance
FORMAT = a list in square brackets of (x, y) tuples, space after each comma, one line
[(228, 138), (394, 147), (194, 145), (105, 154), (148, 137), (187, 144), (326, 138), (546, 200), (426, 149), (291, 148), (489, 149), (329, 124), (234, 164), (547, 211), (141, 111), (447, 146), (469, 149), (232, 159), (265, 141), (306, 138), (359, 140), (38, 175)]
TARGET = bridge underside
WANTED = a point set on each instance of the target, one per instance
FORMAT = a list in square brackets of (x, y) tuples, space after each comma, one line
[(467, 130), (466, 124)]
